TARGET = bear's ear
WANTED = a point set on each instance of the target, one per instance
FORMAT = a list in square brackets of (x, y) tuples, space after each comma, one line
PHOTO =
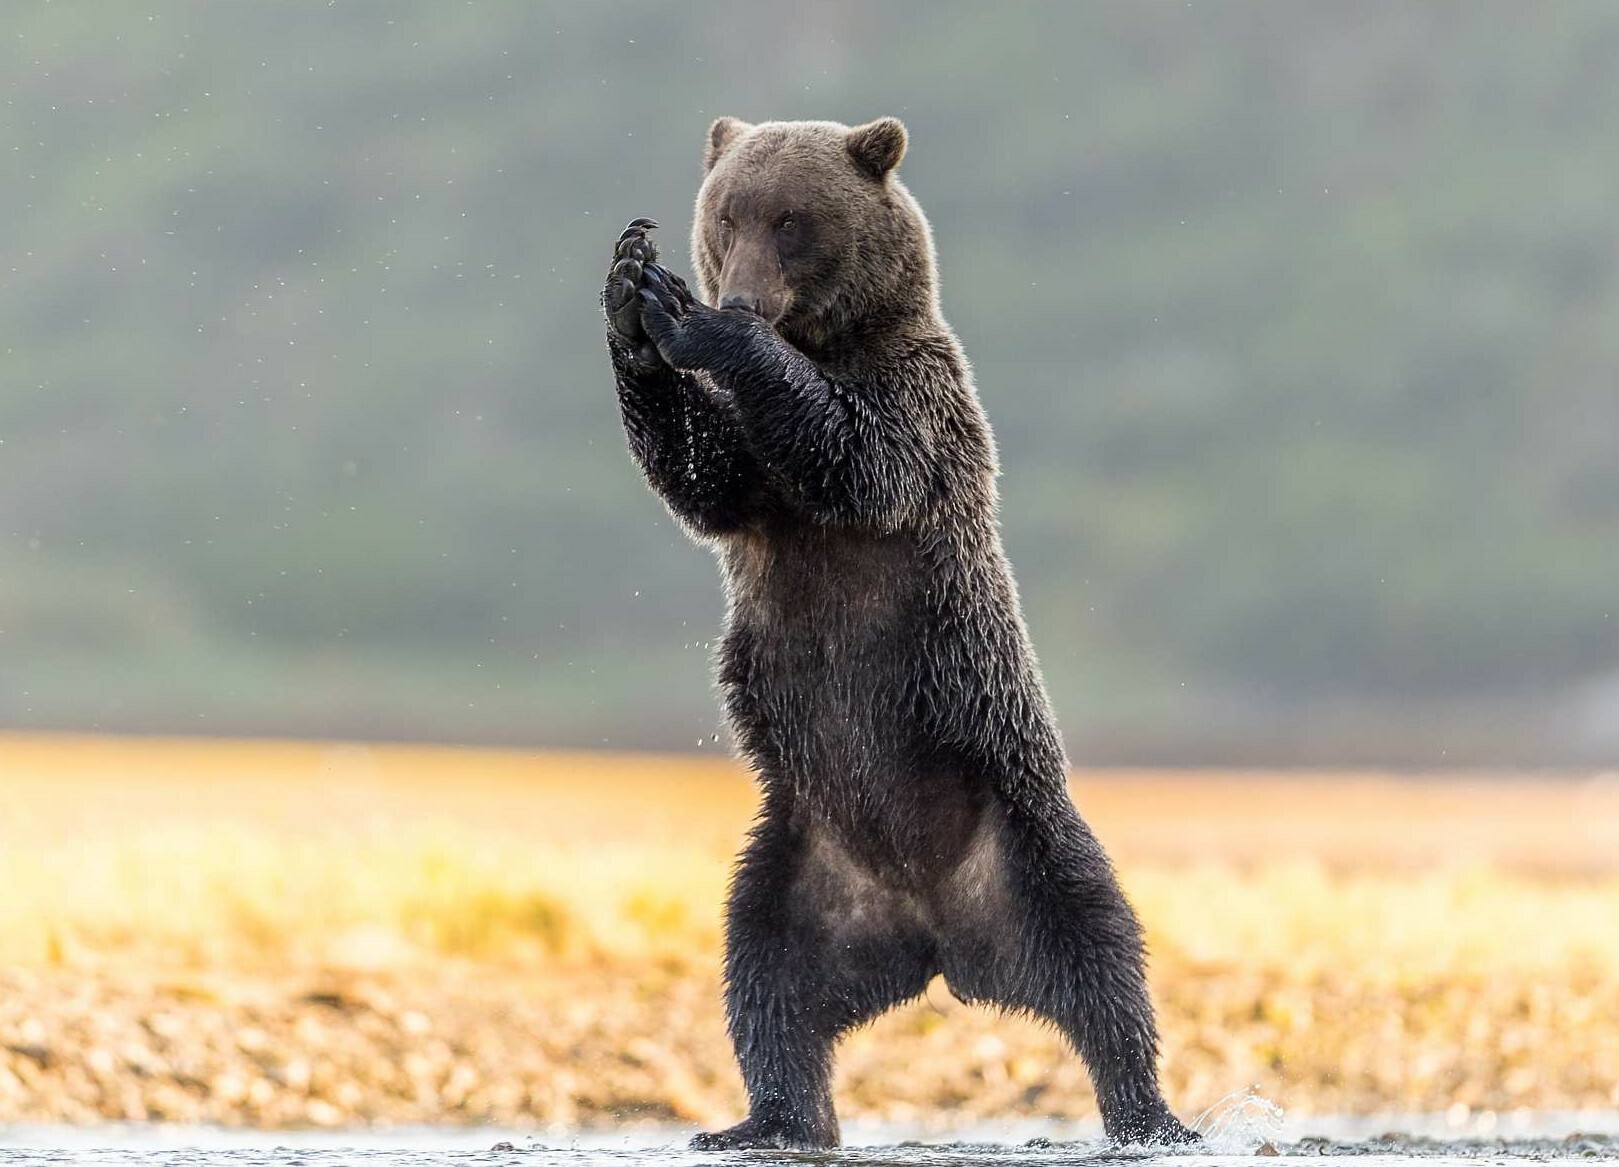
[(877, 147), (721, 134)]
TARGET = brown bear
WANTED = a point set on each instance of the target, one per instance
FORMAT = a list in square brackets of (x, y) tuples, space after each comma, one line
[(812, 418)]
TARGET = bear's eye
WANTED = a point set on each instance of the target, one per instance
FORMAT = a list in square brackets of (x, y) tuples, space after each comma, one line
[(788, 222), (725, 225)]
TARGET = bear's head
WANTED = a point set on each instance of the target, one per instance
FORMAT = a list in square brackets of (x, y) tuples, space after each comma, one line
[(806, 224)]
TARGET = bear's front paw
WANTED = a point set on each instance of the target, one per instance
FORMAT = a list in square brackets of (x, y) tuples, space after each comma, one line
[(621, 297), (688, 333)]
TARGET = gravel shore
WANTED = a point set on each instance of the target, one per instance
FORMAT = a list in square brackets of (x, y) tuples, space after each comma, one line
[(462, 1044)]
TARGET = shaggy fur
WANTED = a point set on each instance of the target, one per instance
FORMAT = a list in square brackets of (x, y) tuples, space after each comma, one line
[(821, 431)]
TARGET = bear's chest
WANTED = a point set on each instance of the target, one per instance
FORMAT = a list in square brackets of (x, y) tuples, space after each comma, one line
[(822, 590)]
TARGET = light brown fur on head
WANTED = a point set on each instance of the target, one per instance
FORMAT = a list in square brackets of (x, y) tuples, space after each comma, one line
[(807, 224)]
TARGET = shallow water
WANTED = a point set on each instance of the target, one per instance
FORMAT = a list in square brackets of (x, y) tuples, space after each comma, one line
[(1233, 1137)]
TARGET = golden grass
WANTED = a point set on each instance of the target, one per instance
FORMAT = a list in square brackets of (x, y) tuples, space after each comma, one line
[(269, 852), (1350, 941), (264, 854)]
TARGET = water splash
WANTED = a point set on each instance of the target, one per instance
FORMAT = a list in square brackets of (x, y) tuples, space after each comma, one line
[(1240, 1122)]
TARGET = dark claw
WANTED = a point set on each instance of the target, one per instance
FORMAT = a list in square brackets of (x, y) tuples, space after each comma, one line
[(637, 248), (633, 243), (628, 269)]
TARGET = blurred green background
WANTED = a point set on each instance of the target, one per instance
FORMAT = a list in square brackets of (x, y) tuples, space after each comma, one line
[(1298, 324)]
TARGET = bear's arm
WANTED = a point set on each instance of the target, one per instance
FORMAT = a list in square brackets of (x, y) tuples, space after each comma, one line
[(844, 451), (687, 444)]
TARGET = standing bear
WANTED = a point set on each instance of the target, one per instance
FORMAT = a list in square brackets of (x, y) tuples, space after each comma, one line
[(813, 419)]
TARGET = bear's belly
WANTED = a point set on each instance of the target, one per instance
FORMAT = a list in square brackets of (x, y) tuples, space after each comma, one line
[(818, 658), (814, 702)]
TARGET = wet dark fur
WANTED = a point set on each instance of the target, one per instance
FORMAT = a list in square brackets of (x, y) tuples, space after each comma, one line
[(875, 666)]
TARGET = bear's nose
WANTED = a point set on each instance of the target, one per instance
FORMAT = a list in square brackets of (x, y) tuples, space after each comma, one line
[(748, 303)]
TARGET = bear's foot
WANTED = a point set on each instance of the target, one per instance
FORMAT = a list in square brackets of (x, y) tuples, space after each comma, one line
[(1172, 1132), (775, 1136), (1157, 1128)]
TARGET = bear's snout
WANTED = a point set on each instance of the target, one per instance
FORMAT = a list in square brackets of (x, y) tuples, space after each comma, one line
[(752, 280)]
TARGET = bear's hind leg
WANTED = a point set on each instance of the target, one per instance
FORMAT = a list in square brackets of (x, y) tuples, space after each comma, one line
[(814, 947), (1068, 948)]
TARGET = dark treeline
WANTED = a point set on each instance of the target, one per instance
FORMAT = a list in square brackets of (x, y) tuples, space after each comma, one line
[(1297, 323)]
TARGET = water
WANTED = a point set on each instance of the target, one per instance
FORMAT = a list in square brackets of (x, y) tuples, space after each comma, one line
[(1235, 1134)]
